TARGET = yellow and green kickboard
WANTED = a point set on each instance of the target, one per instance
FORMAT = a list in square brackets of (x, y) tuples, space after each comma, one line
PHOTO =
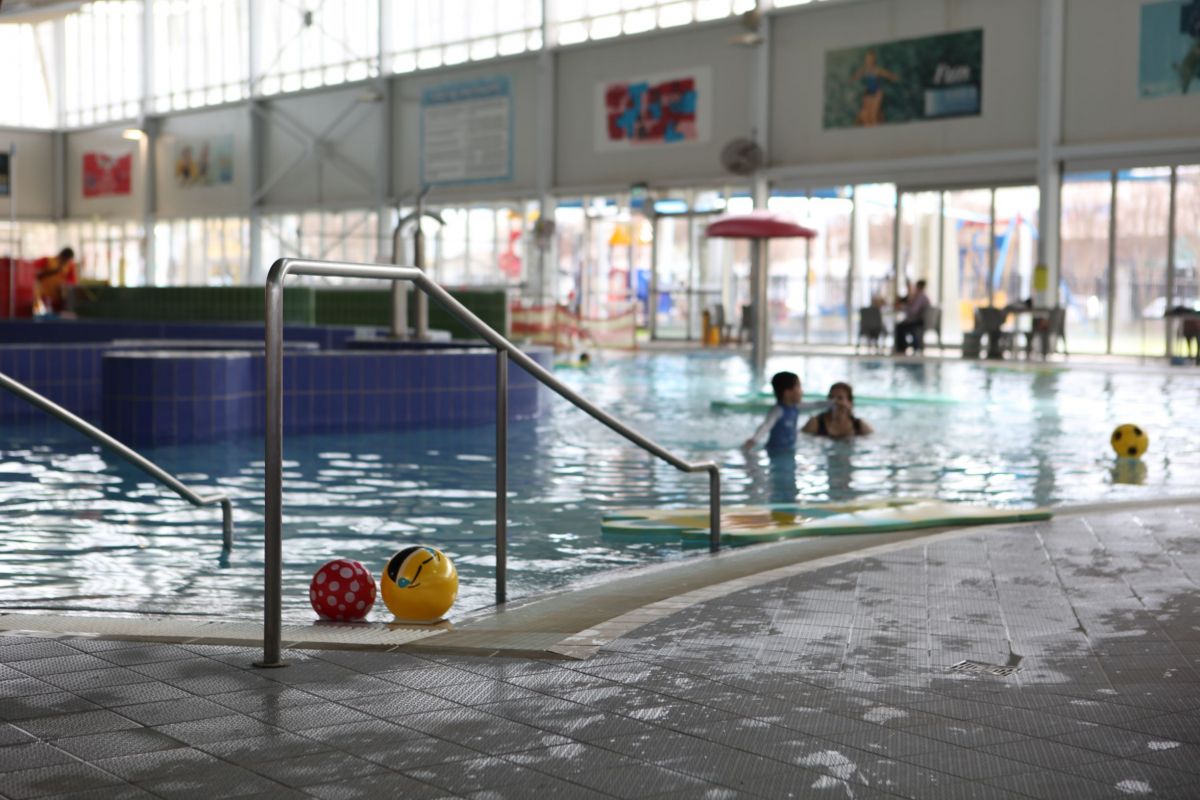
[(764, 402), (766, 523)]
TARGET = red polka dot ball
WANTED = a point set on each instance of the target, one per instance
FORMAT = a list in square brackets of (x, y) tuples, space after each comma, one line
[(342, 590)]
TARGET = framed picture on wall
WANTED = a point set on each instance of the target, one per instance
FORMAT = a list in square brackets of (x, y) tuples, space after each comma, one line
[(1169, 49), (4, 175), (107, 174), (662, 110)]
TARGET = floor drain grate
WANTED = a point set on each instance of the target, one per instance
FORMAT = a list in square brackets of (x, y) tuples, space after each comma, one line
[(976, 667)]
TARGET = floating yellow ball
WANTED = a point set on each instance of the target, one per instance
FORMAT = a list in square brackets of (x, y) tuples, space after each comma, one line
[(419, 584), (1130, 441)]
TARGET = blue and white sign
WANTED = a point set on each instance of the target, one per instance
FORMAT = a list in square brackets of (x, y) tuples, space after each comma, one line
[(466, 132)]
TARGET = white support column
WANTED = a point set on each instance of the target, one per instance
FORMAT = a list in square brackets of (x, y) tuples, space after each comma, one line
[(1111, 294), (147, 147), (1170, 326), (148, 59), (543, 280), (1049, 129)]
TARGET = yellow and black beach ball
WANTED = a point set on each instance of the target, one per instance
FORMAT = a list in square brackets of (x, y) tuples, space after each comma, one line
[(1130, 441), (419, 584)]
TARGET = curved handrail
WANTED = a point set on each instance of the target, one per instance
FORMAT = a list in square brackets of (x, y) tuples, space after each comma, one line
[(132, 456), (273, 539)]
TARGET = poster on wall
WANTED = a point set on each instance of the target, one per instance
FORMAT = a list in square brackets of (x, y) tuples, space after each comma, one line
[(107, 174), (1169, 54), (204, 162), (910, 80), (466, 132), (4, 180), (654, 110)]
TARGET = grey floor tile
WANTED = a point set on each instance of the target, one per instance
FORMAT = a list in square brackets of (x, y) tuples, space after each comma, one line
[(117, 743), (257, 749), (132, 693), (376, 785), (225, 780), (77, 724), (166, 712), (16, 709), (162, 764), (640, 780), (29, 756), (216, 729), (78, 662), (463, 777), (54, 780), (118, 792), (11, 734), (315, 768), (1047, 785), (92, 679), (393, 704)]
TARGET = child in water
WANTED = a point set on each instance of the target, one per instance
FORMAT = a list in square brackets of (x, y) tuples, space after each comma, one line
[(838, 422), (780, 425)]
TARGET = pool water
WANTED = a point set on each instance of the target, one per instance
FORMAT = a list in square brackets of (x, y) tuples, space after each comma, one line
[(81, 531)]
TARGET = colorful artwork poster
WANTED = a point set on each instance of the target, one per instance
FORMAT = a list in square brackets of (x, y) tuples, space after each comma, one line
[(1169, 55), (107, 174), (665, 110), (910, 80), (4, 179), (466, 132), (204, 162)]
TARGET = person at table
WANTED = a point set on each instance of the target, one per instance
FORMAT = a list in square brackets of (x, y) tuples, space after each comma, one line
[(913, 325)]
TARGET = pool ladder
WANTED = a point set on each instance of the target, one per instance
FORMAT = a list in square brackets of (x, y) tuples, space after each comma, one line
[(505, 351), (124, 451)]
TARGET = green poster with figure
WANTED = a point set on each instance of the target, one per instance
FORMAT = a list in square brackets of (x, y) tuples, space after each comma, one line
[(909, 80), (1169, 53)]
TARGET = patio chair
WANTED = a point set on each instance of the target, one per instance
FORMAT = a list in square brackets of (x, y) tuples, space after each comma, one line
[(932, 320), (871, 328), (989, 324), (1050, 331)]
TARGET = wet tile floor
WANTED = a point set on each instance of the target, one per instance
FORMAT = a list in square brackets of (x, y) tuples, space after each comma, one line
[(840, 682)]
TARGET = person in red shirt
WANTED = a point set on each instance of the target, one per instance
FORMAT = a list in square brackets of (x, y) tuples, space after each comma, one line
[(50, 291)]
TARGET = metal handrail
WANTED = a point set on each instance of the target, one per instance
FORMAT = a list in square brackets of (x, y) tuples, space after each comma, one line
[(505, 350), (137, 459)]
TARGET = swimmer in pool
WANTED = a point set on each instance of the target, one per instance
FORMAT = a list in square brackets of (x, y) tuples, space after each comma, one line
[(839, 421), (780, 425)]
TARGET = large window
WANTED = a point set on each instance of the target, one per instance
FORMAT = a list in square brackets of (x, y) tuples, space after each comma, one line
[(200, 53), (478, 246), (1140, 279), (212, 251), (302, 46), (25, 93), (874, 224), (574, 21), (108, 251), (103, 62), (1187, 237), (830, 211), (433, 33), (351, 235), (1086, 215)]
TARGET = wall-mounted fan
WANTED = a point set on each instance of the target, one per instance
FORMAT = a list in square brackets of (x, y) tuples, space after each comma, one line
[(742, 156)]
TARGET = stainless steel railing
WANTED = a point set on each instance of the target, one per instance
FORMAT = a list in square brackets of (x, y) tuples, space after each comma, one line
[(124, 451), (505, 351)]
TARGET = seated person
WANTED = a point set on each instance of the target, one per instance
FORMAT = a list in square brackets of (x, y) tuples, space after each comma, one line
[(839, 421), (913, 324)]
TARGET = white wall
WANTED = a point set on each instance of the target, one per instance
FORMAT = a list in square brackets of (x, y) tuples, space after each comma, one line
[(33, 171), (580, 70), (1100, 84), (522, 74), (104, 140), (1010, 79), (345, 169), (175, 200)]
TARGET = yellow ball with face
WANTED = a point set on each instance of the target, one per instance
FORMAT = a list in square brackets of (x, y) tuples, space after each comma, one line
[(419, 584)]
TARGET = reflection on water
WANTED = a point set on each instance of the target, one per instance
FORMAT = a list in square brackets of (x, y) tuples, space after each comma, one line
[(82, 531)]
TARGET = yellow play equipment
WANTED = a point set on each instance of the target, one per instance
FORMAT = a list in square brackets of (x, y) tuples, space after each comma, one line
[(747, 524)]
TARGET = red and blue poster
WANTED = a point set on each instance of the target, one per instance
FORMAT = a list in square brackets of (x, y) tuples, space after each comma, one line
[(105, 174), (668, 109)]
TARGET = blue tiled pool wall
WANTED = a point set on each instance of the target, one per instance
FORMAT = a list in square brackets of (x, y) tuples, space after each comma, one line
[(178, 398), (67, 374), (89, 331)]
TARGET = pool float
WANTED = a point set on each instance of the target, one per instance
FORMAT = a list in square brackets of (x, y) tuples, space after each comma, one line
[(766, 523), (572, 364), (342, 590), (764, 402), (419, 584), (1129, 441)]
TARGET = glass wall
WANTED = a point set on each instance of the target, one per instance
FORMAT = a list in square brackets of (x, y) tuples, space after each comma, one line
[(829, 214), (109, 251), (1187, 237), (790, 274), (200, 53), (212, 251), (574, 21), (920, 254), (1139, 297), (103, 62), (480, 245), (967, 253), (1083, 286), (304, 46), (351, 235), (425, 33), (874, 231), (26, 85)]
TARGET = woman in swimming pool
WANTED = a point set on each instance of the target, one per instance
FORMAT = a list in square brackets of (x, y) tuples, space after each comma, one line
[(839, 421)]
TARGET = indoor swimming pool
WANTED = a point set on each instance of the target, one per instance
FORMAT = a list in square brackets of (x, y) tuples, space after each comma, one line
[(83, 532)]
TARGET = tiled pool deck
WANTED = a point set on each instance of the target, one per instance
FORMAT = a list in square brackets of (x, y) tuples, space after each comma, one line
[(835, 682)]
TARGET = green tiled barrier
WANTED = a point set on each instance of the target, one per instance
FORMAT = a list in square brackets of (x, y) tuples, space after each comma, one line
[(373, 307), (190, 303)]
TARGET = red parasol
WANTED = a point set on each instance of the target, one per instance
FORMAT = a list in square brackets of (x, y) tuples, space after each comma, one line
[(758, 225)]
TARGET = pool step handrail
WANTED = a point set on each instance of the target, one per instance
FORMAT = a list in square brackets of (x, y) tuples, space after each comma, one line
[(505, 351), (129, 454)]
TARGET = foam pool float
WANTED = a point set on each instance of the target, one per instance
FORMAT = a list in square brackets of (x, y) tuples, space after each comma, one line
[(766, 523)]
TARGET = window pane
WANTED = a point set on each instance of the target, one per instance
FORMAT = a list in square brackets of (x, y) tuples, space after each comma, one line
[(789, 272), (200, 53), (968, 225), (428, 33), (1086, 211), (25, 94), (1140, 284), (920, 253), (304, 47), (1187, 236), (103, 62), (829, 212)]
